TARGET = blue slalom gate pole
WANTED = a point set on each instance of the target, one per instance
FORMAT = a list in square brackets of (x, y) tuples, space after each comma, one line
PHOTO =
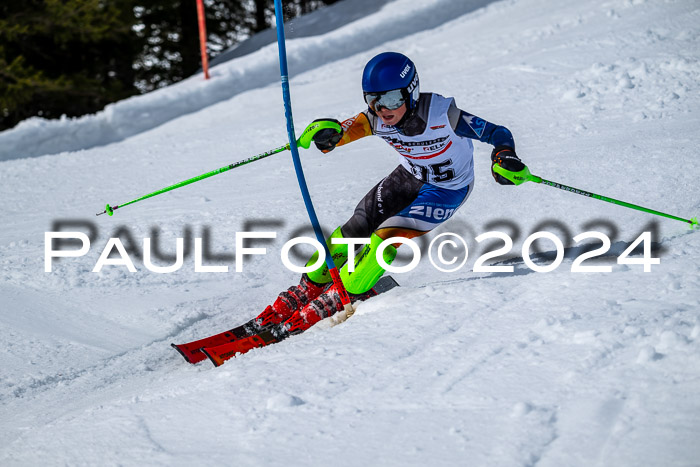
[(284, 73)]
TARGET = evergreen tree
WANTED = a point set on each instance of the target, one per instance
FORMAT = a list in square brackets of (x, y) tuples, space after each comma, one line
[(171, 33), (73, 57), (64, 57)]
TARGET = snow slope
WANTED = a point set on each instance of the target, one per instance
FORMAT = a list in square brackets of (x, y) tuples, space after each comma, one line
[(465, 368)]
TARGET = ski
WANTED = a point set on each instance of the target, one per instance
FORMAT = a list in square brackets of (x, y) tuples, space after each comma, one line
[(220, 353), (190, 351), (250, 332)]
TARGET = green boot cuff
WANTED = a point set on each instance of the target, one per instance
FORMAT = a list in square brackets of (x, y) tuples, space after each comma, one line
[(339, 253), (367, 268)]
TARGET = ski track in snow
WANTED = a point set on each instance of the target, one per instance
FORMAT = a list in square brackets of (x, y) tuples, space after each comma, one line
[(467, 368)]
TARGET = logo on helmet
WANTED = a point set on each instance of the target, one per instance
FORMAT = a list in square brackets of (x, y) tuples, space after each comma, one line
[(405, 71), (414, 84)]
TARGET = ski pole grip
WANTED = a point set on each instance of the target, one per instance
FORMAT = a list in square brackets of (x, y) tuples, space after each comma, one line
[(308, 135), (516, 177)]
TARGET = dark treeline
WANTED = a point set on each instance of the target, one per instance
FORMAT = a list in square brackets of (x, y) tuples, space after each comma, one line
[(74, 57)]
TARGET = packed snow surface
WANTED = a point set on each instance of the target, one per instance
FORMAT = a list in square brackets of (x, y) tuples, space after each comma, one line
[(463, 368)]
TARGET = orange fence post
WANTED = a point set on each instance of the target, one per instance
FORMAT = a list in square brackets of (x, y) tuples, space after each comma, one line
[(203, 38)]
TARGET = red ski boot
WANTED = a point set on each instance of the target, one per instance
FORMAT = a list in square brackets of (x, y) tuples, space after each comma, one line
[(290, 301), (326, 304)]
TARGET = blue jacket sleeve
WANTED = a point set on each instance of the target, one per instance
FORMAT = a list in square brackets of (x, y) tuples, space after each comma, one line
[(473, 127)]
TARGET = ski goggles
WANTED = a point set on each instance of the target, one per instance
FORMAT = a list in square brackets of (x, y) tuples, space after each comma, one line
[(390, 100)]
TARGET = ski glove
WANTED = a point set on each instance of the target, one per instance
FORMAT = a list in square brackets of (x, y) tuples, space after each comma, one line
[(506, 158), (326, 138)]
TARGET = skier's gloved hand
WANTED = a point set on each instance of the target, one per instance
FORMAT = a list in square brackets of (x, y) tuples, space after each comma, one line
[(506, 158), (325, 139)]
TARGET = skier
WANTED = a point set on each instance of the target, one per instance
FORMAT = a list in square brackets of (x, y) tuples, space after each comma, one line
[(434, 178)]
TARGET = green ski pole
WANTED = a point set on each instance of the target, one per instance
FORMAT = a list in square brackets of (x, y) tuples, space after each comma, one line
[(525, 176), (304, 141), (110, 209)]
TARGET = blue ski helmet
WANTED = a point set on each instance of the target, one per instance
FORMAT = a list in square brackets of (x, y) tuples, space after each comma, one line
[(391, 70)]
